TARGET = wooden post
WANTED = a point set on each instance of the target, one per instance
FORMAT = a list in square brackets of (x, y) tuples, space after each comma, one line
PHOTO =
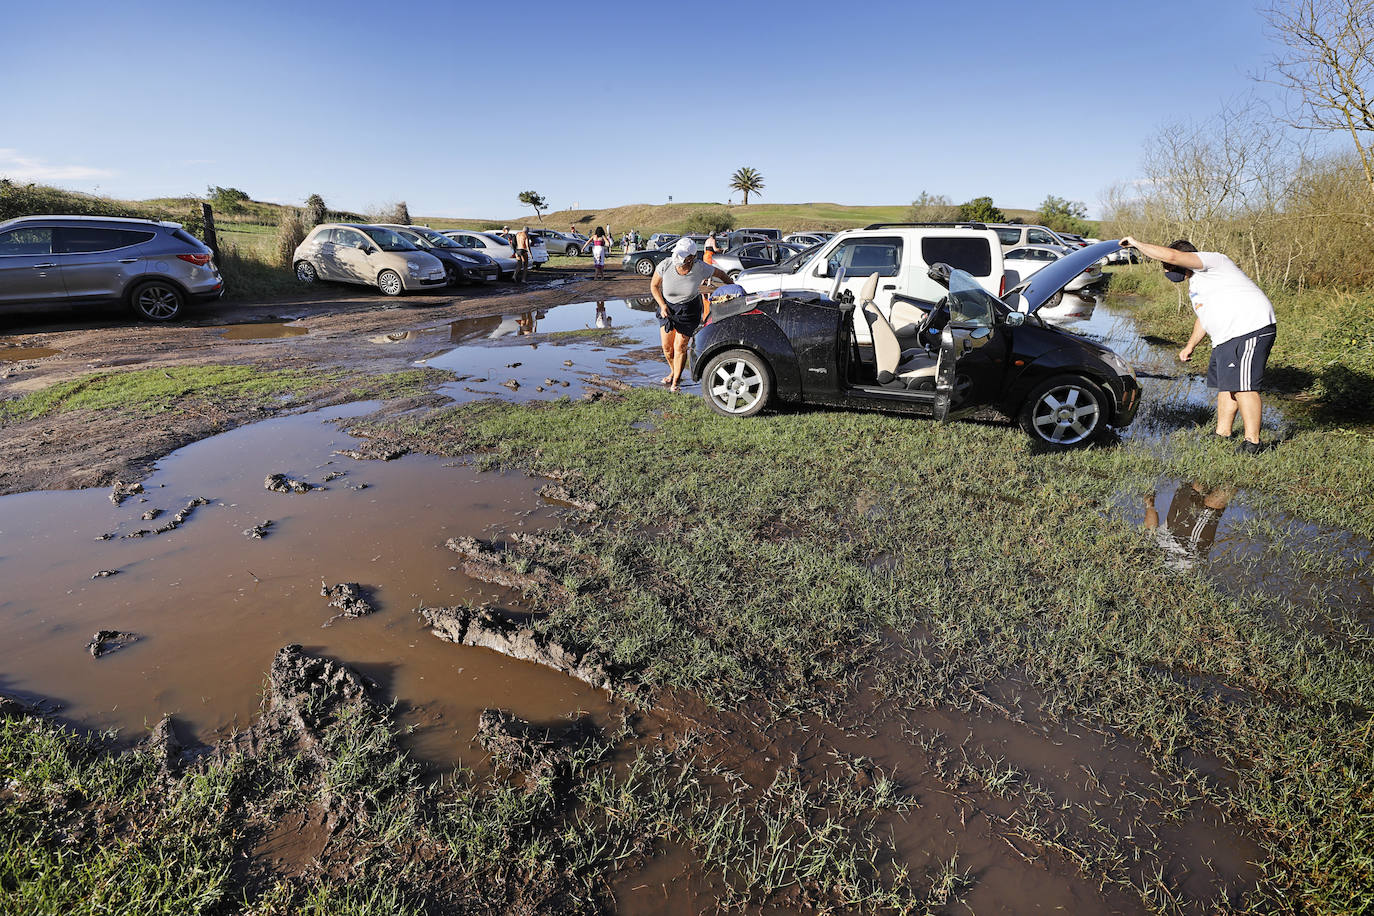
[(207, 216)]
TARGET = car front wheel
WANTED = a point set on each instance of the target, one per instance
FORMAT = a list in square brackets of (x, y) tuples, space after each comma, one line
[(305, 272), (644, 267), (573, 251), (389, 282), (1067, 411), (736, 383), (157, 300)]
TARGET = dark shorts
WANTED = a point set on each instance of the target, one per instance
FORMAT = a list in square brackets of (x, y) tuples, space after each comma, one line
[(1238, 364), (684, 317)]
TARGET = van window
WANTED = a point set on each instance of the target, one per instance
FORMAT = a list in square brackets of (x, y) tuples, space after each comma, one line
[(1008, 236), (1040, 237), (862, 256), (967, 254)]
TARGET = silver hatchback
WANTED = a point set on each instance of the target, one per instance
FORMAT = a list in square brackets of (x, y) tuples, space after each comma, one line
[(155, 268)]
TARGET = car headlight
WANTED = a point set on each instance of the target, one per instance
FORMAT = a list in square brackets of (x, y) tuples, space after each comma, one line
[(465, 259), (415, 267), (1120, 365)]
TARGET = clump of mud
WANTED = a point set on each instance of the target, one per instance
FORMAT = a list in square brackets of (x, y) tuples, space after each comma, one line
[(561, 494), (349, 597), (177, 520), (544, 754), (122, 491), (258, 531), (280, 483), (486, 562), (377, 446), (493, 630), (106, 641)]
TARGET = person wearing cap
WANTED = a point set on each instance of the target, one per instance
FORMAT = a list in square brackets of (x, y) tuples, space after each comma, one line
[(676, 287), (1230, 309)]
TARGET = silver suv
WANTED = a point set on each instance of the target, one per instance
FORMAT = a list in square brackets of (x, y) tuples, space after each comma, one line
[(155, 268)]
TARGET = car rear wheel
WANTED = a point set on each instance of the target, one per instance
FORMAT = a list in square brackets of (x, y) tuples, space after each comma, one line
[(305, 272), (644, 267), (1054, 300), (1064, 412), (389, 282), (733, 275), (736, 383), (157, 300)]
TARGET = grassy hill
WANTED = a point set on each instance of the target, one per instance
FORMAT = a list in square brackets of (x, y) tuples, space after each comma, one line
[(650, 218)]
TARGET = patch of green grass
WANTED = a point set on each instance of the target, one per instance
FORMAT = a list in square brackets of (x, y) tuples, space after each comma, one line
[(789, 550), (146, 392)]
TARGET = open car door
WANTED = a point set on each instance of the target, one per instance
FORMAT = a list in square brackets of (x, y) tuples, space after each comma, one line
[(962, 378)]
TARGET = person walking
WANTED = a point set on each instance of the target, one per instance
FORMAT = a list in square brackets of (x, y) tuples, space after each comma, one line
[(599, 243), (522, 255), (676, 287), (1230, 309)]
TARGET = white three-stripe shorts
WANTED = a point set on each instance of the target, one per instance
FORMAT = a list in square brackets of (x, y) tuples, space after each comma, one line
[(1238, 364)]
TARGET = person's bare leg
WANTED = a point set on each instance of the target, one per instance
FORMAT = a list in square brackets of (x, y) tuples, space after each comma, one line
[(679, 357), (1249, 402), (1226, 412), (665, 337)]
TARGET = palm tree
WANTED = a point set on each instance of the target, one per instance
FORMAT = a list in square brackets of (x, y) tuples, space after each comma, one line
[(748, 181)]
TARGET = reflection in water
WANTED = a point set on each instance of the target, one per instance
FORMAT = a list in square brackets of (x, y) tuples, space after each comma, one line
[(602, 319), (260, 331), (1190, 528)]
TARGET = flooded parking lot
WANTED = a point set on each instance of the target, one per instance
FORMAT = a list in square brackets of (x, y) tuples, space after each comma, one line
[(208, 603)]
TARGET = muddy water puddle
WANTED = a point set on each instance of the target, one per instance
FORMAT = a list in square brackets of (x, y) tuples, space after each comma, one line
[(542, 354), (212, 604), (1316, 571), (23, 354), (267, 330)]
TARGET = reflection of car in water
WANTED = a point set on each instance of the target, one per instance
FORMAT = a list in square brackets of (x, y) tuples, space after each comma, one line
[(949, 358), (474, 329), (1190, 527)]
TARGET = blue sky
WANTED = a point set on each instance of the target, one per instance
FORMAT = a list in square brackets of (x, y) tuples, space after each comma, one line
[(457, 107)]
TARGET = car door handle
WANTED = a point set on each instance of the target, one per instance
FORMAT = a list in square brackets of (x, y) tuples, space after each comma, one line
[(43, 266), (889, 286), (128, 260)]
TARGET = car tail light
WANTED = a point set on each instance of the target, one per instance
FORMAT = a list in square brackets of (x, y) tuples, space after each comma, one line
[(1002, 286), (200, 260)]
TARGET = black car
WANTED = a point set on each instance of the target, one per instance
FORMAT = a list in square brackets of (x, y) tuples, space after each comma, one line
[(970, 350), (460, 265)]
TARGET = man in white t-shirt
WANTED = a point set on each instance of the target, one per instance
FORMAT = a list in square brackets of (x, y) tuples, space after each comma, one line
[(1230, 309)]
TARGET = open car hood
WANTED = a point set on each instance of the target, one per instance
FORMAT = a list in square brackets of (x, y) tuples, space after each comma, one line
[(1050, 279)]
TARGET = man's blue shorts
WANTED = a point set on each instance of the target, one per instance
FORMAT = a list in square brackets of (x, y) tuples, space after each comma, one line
[(1238, 364)]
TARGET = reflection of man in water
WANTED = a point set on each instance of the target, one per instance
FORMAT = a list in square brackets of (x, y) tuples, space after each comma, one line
[(1190, 528), (602, 320), (526, 324)]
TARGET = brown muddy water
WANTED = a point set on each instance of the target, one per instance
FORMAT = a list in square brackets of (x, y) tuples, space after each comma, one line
[(22, 354), (212, 605), (267, 330)]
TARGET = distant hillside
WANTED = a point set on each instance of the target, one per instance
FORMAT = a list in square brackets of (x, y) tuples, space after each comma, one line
[(253, 227), (650, 218)]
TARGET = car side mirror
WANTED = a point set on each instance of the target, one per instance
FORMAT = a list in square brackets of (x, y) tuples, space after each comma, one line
[(368, 249), (1014, 319)]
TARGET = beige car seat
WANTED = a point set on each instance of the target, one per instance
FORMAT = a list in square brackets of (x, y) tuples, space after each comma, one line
[(893, 363)]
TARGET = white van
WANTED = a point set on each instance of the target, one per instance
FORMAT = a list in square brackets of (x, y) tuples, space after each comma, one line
[(901, 254)]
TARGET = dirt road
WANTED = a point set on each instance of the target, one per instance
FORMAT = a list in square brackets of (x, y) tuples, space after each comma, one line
[(85, 447)]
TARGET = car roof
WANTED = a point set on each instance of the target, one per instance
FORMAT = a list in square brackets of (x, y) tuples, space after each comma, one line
[(1057, 249), (63, 218)]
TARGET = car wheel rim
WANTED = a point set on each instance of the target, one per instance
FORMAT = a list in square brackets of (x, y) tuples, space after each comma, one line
[(1066, 415), (157, 302), (645, 268), (390, 284), (736, 386), (305, 272)]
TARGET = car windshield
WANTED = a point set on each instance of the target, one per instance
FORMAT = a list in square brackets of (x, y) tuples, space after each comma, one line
[(969, 303), (436, 239), (388, 240), (794, 263)]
